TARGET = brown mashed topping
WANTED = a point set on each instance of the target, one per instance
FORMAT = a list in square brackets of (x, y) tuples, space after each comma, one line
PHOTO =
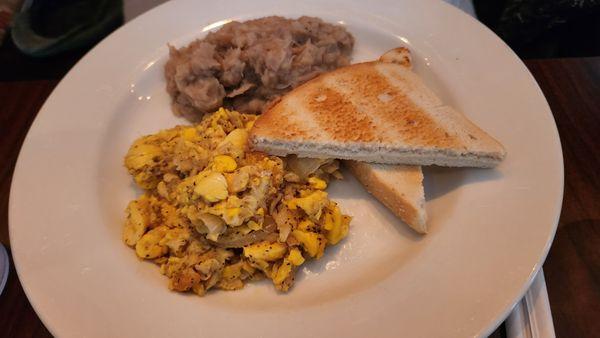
[(246, 65)]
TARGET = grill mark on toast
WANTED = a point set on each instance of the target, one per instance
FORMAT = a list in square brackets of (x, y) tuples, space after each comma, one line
[(411, 124), (281, 122), (410, 84), (379, 127), (336, 115)]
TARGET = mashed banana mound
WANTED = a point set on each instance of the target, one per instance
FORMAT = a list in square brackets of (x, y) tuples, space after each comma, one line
[(246, 65), (217, 215)]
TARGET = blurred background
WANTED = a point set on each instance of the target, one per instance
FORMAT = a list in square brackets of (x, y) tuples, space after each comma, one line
[(43, 39)]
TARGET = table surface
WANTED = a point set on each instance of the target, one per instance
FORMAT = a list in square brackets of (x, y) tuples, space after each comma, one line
[(572, 269)]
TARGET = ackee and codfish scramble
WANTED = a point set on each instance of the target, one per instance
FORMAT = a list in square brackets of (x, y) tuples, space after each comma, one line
[(216, 215)]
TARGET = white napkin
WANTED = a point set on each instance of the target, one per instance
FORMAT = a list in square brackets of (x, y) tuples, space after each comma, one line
[(531, 317)]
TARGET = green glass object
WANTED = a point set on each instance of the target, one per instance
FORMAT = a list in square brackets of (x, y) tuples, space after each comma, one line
[(49, 27)]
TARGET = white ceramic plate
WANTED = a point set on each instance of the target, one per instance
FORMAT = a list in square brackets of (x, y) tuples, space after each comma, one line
[(4, 267), (490, 229)]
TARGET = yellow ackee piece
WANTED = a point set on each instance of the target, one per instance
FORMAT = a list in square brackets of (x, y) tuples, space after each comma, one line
[(221, 113), (250, 124), (140, 155), (212, 187), (306, 225), (175, 239), (137, 221), (237, 181), (260, 211), (238, 138), (149, 246), (312, 242), (232, 271), (335, 224), (295, 257), (317, 183), (254, 226), (312, 203), (266, 251), (261, 264), (231, 213), (224, 164), (190, 134), (283, 272)]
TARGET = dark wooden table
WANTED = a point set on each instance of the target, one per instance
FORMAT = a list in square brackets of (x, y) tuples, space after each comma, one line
[(572, 87)]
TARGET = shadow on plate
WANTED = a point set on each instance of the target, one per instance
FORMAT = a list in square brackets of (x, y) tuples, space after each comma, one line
[(439, 181)]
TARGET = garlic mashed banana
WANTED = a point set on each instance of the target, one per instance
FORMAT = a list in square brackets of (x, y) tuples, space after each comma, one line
[(215, 215)]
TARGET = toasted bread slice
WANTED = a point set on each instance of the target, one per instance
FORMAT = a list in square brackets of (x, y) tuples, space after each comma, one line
[(398, 187), (376, 111), (399, 55)]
